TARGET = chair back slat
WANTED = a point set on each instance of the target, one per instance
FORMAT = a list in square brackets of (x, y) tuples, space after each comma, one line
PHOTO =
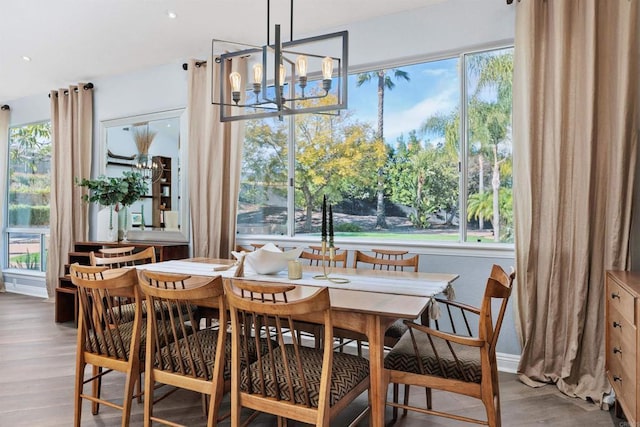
[(116, 260), (117, 251), (315, 258), (400, 264)]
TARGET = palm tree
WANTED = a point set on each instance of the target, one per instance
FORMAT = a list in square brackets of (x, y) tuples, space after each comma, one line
[(494, 71), (384, 82)]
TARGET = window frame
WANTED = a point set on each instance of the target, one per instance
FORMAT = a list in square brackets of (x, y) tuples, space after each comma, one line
[(491, 248), (43, 232)]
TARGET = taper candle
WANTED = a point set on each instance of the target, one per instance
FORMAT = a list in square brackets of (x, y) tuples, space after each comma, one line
[(330, 226), (324, 218)]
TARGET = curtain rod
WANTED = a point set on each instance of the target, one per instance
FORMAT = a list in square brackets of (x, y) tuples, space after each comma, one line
[(5, 107), (85, 87), (185, 66)]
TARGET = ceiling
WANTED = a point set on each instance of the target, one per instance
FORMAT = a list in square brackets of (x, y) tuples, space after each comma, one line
[(72, 41)]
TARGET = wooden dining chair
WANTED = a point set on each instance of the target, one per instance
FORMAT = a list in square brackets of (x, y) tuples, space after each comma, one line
[(455, 361), (116, 260), (315, 258), (106, 340), (388, 262), (119, 258), (178, 353), (117, 251), (289, 380), (382, 260)]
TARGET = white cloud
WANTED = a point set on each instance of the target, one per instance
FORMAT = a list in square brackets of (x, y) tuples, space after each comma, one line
[(398, 122), (437, 71)]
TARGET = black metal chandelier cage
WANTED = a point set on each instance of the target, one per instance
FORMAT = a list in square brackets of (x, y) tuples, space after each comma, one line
[(296, 77)]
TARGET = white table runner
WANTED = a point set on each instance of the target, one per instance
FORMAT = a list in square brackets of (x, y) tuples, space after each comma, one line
[(380, 284)]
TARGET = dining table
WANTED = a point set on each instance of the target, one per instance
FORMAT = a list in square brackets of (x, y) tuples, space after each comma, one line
[(365, 301)]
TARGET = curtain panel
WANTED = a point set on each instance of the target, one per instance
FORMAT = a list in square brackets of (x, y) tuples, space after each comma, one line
[(215, 156), (575, 143), (72, 142), (5, 115)]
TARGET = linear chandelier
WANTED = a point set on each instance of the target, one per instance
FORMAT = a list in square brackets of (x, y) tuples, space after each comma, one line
[(283, 78)]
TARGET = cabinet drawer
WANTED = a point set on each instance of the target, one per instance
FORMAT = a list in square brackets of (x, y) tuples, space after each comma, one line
[(621, 300), (621, 333), (624, 386)]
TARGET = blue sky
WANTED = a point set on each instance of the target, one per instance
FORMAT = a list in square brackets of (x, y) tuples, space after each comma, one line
[(434, 88)]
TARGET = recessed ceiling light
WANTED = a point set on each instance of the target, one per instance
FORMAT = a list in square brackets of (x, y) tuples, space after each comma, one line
[(26, 58), (171, 14)]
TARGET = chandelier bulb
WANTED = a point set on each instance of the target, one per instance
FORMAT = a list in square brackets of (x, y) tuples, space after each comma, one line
[(257, 73), (236, 81), (301, 64), (327, 67)]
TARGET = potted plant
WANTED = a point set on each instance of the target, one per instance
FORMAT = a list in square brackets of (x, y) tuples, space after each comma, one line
[(106, 191)]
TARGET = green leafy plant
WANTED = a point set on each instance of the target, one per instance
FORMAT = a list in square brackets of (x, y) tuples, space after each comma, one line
[(136, 187), (104, 190)]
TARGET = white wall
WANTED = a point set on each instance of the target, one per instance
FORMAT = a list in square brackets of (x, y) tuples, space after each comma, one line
[(433, 31)]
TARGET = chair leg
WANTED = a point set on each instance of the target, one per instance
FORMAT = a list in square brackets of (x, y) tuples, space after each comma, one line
[(96, 385), (395, 400), (427, 391), (80, 365), (407, 391), (139, 388), (492, 405), (148, 395), (129, 390)]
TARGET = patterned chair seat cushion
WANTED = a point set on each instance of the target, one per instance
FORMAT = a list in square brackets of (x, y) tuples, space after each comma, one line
[(403, 358), (208, 339), (348, 371), (126, 312), (116, 344)]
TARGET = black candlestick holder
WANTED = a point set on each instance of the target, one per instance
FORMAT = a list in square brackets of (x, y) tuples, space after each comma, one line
[(326, 271)]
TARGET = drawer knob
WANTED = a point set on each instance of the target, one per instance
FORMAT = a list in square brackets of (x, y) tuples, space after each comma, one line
[(615, 295), (617, 378), (617, 350), (617, 324)]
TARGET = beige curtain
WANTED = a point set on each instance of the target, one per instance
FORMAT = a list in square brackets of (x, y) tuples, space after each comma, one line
[(5, 115), (72, 142), (215, 154), (575, 141)]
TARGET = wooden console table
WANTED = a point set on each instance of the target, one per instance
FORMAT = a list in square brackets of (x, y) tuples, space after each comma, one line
[(66, 292)]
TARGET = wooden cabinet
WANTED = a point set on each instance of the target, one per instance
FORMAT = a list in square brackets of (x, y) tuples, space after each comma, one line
[(622, 339), (161, 191), (66, 293)]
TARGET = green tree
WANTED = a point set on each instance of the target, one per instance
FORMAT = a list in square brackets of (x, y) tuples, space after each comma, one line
[(385, 82), (264, 160), (490, 120), (334, 155), (30, 146)]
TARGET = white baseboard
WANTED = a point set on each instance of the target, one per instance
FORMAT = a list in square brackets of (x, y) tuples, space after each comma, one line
[(508, 362), (26, 290)]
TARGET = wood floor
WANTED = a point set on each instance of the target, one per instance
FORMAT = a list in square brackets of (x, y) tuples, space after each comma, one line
[(37, 373)]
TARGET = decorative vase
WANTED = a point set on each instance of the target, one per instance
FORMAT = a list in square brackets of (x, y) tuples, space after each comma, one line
[(125, 227), (142, 226), (112, 234)]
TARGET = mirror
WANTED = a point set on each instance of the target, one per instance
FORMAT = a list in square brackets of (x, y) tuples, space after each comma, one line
[(151, 144)]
